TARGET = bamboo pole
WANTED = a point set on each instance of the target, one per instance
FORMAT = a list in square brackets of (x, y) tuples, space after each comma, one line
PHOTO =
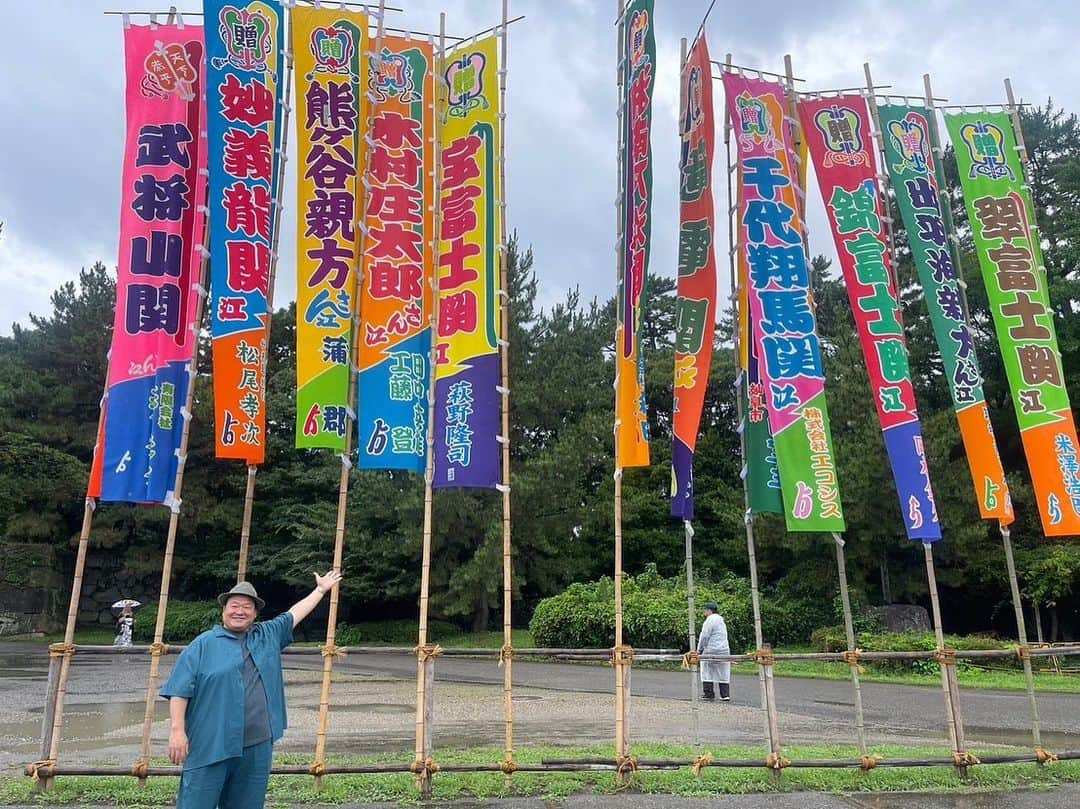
[(56, 690), (771, 728), (424, 673), (158, 647), (507, 659), (952, 717), (330, 651), (617, 660), (849, 634), (252, 469), (688, 528), (883, 176)]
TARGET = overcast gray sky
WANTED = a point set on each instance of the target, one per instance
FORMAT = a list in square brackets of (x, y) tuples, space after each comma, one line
[(61, 114)]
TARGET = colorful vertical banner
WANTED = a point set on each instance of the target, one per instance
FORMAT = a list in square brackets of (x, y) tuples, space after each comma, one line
[(330, 57), (782, 321), (467, 400), (695, 308), (244, 87), (917, 179), (638, 69), (838, 133), (395, 337), (1002, 218), (162, 224)]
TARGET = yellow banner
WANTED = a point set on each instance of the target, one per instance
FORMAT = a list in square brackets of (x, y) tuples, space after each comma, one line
[(329, 47)]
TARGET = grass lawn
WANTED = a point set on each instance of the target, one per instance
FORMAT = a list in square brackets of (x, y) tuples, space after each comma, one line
[(338, 789)]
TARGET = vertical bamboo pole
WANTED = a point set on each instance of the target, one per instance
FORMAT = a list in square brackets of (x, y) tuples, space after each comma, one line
[(1021, 633), (57, 690), (158, 647), (771, 726), (849, 634), (425, 668), (621, 202), (948, 671), (330, 649), (883, 177), (504, 356), (688, 528), (252, 470)]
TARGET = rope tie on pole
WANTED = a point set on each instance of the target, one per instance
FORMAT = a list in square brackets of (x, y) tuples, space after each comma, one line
[(428, 652), (626, 765), (44, 769), (764, 657), (1023, 652), (965, 759), (946, 657), (867, 763), (852, 658), (318, 769), (505, 653), (1045, 756), (508, 766), (332, 650), (139, 768), (774, 761), (690, 659), (61, 649), (159, 649), (424, 768), (700, 762), (622, 655)]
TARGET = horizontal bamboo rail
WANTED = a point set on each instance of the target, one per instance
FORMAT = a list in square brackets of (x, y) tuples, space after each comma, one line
[(649, 655), (569, 765)]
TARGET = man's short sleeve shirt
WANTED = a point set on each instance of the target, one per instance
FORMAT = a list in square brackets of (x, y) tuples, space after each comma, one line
[(210, 675)]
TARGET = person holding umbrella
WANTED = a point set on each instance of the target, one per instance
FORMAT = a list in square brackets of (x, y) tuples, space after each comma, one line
[(125, 623)]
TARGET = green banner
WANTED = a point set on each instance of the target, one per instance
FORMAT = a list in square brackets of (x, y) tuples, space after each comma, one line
[(911, 150), (762, 476), (1003, 222)]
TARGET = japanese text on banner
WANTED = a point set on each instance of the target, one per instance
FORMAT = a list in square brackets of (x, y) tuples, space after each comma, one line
[(917, 179), (467, 401), (695, 308), (395, 341), (778, 281), (244, 89), (841, 145), (638, 51), (330, 52), (1002, 218), (162, 224)]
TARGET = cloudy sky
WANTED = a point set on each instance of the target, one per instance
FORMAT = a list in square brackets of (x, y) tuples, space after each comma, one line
[(61, 107)]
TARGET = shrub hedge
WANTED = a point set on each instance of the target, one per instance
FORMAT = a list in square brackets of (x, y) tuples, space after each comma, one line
[(401, 632), (654, 613), (183, 621), (831, 639)]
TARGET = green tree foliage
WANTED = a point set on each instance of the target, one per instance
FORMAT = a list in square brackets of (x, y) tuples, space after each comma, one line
[(561, 370)]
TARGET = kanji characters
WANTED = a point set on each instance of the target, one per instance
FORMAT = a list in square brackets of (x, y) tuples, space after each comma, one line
[(399, 281), (247, 209), (162, 255), (248, 154), (774, 216), (162, 144), (163, 200), (396, 131), (250, 102), (248, 266), (854, 210), (331, 213), (1039, 365), (695, 242), (1000, 218), (151, 308)]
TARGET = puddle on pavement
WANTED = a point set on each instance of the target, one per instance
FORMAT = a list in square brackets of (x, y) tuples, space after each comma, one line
[(88, 720), (1021, 737), (369, 707)]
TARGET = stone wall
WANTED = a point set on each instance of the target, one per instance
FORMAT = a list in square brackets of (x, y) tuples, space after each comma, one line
[(107, 579)]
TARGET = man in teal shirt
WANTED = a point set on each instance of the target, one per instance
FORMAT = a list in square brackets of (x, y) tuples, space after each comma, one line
[(227, 700)]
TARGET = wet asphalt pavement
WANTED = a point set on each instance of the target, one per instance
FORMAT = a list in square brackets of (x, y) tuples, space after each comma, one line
[(104, 711)]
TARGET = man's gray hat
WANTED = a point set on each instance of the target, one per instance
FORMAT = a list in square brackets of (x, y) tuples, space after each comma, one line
[(244, 588)]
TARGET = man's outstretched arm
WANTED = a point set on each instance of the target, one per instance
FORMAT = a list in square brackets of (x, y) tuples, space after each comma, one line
[(323, 585)]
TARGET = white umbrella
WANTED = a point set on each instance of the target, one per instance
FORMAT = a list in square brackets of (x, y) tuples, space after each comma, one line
[(127, 602)]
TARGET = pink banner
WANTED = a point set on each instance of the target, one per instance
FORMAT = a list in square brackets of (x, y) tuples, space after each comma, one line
[(162, 223)]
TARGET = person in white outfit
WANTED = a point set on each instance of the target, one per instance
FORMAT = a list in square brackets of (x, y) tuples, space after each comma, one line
[(713, 640)]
